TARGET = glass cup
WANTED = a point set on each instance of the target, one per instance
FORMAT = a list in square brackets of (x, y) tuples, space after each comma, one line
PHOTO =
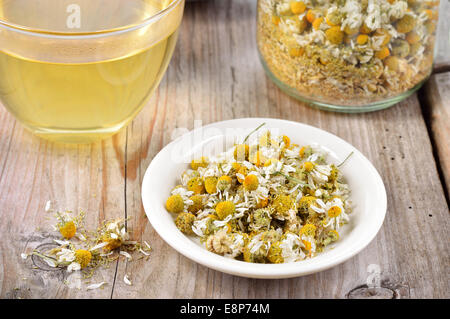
[(77, 71), (348, 56)]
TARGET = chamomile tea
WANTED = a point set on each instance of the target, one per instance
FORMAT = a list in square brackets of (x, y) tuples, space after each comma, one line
[(93, 86)]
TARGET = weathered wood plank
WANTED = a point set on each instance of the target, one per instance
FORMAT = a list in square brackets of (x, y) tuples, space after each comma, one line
[(438, 97), (215, 75), (442, 60), (73, 177)]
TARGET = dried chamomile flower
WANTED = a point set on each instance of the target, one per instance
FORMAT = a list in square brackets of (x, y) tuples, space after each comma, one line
[(241, 174), (196, 185), (308, 166), (261, 220), (251, 182), (219, 243), (67, 223), (241, 152), (279, 203), (175, 204), (331, 236), (113, 234), (68, 229), (224, 183), (88, 252), (83, 257), (275, 253), (308, 230), (211, 184), (202, 162), (197, 204), (225, 208), (184, 222), (406, 24)]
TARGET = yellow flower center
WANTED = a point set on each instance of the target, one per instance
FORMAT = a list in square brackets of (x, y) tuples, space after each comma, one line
[(201, 162), (298, 7), (196, 185), (302, 152), (197, 203), (83, 257), (262, 203), (270, 162), (307, 245), (211, 184), (223, 209), (276, 20), (175, 204), (286, 141), (308, 166), (334, 211), (68, 230), (241, 152), (309, 230), (251, 182), (243, 171)]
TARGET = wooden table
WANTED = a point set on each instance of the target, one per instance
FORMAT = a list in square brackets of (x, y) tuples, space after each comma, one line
[(215, 75)]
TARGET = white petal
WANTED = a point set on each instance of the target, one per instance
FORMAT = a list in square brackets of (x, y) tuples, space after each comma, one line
[(73, 267), (101, 245), (145, 253), (48, 206), (126, 280), (114, 236), (317, 209), (321, 203), (146, 244), (124, 253), (95, 286)]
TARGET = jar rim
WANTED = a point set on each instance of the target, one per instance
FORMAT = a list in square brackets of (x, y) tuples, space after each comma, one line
[(77, 35)]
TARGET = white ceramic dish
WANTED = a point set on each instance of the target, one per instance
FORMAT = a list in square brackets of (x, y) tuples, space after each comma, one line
[(368, 195)]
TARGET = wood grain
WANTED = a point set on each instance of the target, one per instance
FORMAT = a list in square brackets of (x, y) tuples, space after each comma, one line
[(438, 98), (215, 75), (442, 59)]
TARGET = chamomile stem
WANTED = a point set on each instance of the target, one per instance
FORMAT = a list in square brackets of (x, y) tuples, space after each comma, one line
[(46, 258), (343, 162), (247, 137), (293, 179)]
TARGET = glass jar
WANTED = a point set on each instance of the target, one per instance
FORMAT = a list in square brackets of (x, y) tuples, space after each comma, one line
[(347, 55)]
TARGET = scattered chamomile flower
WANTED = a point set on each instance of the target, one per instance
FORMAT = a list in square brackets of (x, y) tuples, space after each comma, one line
[(68, 229), (67, 224), (91, 250)]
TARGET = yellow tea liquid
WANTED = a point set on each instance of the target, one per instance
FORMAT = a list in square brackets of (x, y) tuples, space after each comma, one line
[(81, 102)]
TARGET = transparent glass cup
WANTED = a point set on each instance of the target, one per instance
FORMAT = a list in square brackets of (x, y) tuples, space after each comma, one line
[(77, 71), (348, 56)]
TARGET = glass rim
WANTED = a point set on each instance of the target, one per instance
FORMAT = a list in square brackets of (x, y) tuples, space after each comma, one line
[(60, 34)]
